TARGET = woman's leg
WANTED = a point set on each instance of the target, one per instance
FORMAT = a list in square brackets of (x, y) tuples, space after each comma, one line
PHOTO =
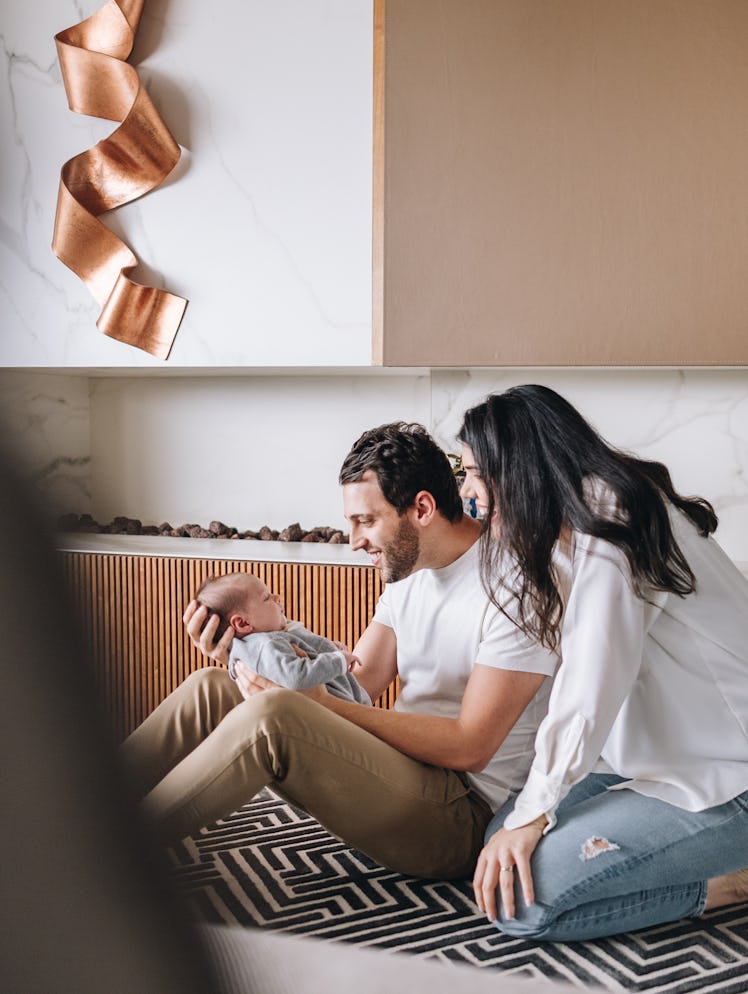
[(618, 861)]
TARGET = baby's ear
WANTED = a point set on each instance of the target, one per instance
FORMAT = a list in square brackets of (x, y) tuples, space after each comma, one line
[(240, 624)]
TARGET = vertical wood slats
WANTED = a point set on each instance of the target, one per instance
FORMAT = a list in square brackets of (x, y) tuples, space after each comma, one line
[(130, 610)]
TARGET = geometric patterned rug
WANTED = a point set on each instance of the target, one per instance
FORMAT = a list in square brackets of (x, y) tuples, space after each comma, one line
[(273, 867)]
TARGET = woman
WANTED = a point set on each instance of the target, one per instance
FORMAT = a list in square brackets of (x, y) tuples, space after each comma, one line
[(635, 811)]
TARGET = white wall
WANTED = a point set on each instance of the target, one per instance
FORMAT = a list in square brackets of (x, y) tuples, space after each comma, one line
[(248, 451), (45, 425), (257, 450), (266, 228), (695, 421), (265, 225)]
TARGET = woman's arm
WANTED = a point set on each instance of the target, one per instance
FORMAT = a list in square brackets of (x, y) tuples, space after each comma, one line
[(602, 642), (602, 645)]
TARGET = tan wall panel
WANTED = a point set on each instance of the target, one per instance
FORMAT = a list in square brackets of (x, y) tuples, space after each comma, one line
[(130, 609), (561, 182)]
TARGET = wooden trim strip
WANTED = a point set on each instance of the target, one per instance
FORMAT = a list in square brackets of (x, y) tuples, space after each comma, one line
[(378, 172)]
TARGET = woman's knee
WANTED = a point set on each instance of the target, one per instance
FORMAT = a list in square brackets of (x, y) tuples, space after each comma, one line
[(524, 926)]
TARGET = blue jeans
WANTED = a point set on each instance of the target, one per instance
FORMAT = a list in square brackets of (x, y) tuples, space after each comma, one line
[(618, 861)]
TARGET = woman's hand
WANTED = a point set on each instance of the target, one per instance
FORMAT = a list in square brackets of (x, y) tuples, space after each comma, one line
[(504, 857), (201, 625)]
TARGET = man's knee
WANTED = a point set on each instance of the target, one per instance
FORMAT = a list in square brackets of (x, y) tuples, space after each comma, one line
[(207, 677), (276, 710), (275, 723), (210, 693)]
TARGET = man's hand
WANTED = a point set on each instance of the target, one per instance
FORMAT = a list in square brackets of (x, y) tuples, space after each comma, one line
[(505, 857), (251, 683), (352, 660), (201, 625)]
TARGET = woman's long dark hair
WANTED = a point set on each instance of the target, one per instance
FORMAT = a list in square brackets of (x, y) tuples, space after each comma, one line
[(537, 455)]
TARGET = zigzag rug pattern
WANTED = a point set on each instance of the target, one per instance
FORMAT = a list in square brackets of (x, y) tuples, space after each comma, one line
[(272, 866)]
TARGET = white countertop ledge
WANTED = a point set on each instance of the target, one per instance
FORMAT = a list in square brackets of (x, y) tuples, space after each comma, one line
[(234, 549)]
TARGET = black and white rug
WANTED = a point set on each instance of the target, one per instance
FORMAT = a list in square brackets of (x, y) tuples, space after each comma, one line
[(272, 866)]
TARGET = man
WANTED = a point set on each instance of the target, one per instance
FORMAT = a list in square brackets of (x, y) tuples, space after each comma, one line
[(413, 787)]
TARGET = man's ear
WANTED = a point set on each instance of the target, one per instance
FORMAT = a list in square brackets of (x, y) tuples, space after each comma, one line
[(240, 624), (424, 507)]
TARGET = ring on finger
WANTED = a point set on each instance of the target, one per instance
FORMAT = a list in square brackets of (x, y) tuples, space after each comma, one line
[(507, 869)]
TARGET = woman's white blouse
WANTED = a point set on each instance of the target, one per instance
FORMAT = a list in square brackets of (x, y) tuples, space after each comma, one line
[(656, 691)]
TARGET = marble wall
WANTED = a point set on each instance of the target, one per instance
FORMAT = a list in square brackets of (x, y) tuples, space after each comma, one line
[(264, 225), (45, 427), (265, 449), (249, 451), (695, 421)]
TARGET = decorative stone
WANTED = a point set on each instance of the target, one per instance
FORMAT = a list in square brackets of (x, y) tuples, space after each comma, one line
[(122, 525)]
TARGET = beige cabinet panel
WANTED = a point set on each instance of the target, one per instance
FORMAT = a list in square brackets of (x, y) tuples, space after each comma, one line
[(561, 182)]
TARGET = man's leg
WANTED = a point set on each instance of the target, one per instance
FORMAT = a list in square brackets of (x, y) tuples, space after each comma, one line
[(176, 727), (407, 815)]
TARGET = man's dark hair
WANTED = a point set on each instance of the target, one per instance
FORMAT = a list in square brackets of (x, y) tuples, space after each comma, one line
[(406, 460)]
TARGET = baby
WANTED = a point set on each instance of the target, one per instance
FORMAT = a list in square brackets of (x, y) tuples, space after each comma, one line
[(264, 640)]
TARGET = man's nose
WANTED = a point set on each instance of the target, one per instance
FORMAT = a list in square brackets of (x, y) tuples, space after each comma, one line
[(356, 539)]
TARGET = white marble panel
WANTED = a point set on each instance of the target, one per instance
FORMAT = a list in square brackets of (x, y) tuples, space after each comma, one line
[(265, 226), (249, 451), (45, 425), (695, 421)]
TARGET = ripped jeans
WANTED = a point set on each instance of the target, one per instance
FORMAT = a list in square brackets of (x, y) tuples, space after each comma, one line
[(618, 861)]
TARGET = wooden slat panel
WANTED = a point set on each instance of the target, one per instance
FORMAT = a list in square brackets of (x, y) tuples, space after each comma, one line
[(130, 610)]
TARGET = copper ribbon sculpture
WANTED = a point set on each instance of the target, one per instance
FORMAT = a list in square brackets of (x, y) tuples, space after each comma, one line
[(129, 163)]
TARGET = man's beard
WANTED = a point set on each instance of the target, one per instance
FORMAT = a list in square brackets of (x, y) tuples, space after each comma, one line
[(401, 554)]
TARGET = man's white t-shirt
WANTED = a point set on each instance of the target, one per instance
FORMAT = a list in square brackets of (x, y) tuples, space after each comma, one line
[(445, 624)]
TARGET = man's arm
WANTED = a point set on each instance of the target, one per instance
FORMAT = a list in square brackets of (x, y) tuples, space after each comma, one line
[(377, 653), (493, 701)]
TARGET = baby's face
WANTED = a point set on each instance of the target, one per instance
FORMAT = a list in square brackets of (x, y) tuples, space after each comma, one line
[(264, 609)]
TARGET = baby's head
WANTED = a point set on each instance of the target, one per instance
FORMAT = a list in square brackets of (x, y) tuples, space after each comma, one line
[(242, 601)]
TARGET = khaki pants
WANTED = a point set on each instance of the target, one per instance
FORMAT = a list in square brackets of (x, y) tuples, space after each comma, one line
[(205, 751)]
